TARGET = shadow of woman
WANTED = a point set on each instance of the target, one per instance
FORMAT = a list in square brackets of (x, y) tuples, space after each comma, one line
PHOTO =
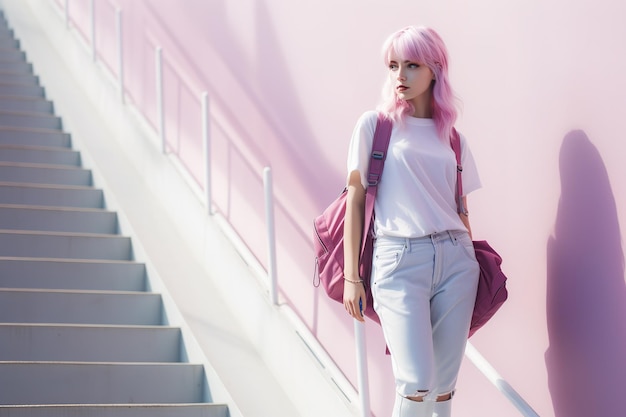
[(586, 292)]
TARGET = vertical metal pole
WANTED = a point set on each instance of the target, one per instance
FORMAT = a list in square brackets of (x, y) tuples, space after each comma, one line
[(92, 11), (159, 91), (271, 235), (361, 369), (120, 52), (206, 148), (67, 14)]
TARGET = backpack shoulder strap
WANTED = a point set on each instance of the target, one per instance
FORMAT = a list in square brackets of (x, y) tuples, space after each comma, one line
[(382, 135)]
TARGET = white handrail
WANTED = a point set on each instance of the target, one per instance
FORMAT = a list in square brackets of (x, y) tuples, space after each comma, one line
[(504, 387), (361, 369), (271, 234), (206, 152)]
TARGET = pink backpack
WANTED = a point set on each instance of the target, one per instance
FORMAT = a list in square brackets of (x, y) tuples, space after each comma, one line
[(492, 292), (328, 229)]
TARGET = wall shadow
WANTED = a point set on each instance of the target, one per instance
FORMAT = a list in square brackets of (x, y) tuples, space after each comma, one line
[(586, 293)]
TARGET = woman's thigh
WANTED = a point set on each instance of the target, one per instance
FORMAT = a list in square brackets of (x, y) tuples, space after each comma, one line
[(401, 286)]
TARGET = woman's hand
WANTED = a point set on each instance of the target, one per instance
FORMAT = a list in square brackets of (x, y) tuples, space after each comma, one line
[(354, 299)]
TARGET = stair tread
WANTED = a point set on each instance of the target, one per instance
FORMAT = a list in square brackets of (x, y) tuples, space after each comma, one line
[(40, 165), (36, 148), (198, 409), (21, 98), (33, 129), (51, 195), (94, 326), (64, 234), (76, 291), (48, 186), (108, 364), (23, 84), (55, 208), (28, 113), (125, 405), (70, 260)]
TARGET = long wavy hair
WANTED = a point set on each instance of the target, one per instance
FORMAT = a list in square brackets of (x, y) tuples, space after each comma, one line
[(424, 46)]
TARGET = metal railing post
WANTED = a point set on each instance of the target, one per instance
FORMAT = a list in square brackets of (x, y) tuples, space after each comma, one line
[(206, 151), (120, 52), (159, 91), (92, 11), (361, 369), (271, 235)]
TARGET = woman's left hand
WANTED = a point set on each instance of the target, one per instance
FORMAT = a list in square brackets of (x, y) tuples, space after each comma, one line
[(354, 299)]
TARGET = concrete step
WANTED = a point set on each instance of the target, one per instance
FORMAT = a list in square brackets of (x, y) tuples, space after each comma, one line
[(89, 343), (30, 244), (99, 383), (43, 174), (26, 104), (18, 78), (34, 137), (8, 42), (117, 410), (30, 120), (51, 155), (80, 307), (5, 30), (21, 90), (57, 219), (50, 195), (11, 54), (16, 66), (76, 274)]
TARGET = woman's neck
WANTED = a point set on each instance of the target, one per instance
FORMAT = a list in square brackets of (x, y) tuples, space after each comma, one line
[(422, 106)]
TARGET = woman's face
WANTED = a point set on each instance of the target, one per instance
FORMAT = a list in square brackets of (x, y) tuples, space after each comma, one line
[(411, 80)]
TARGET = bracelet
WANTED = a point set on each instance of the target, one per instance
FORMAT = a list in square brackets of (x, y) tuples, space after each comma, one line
[(353, 282)]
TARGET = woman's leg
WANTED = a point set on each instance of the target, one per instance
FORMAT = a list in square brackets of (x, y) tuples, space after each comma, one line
[(424, 291), (452, 305), (401, 286)]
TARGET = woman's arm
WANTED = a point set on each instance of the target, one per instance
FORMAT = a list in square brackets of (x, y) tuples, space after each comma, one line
[(465, 217), (353, 290)]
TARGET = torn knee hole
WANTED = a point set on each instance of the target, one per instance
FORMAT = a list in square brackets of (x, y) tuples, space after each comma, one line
[(419, 396), (445, 397)]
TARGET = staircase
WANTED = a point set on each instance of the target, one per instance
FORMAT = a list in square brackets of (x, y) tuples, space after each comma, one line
[(79, 333)]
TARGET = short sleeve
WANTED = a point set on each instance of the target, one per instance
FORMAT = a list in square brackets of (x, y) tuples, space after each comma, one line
[(471, 179), (361, 145)]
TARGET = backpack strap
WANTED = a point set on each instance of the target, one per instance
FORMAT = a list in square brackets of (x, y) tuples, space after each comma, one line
[(382, 135), (455, 142)]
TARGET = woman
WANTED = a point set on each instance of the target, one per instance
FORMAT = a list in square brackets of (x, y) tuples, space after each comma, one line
[(424, 273)]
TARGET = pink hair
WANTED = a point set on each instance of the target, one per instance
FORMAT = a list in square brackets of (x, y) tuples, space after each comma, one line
[(424, 46)]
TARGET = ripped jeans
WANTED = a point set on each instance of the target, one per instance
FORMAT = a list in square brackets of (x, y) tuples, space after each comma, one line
[(424, 291)]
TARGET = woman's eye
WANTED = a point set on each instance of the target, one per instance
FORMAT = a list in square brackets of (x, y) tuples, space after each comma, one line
[(393, 67), (413, 65)]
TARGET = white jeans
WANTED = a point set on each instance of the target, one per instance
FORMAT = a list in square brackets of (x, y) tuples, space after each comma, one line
[(424, 291)]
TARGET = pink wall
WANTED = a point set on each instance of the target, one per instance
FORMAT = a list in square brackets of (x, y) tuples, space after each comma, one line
[(543, 91)]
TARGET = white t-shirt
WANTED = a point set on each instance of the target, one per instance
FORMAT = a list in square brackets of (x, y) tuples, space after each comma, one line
[(416, 193)]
